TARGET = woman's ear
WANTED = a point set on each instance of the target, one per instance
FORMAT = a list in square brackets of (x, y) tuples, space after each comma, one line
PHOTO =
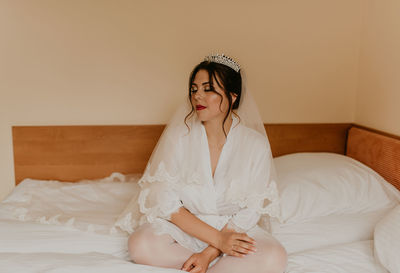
[(233, 96)]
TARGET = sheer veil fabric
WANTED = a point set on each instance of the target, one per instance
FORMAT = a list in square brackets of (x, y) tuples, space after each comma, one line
[(178, 174)]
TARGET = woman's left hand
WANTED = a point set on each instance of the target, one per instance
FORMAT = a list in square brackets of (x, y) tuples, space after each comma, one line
[(197, 263)]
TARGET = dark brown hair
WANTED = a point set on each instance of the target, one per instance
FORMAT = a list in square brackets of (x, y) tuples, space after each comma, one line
[(228, 79)]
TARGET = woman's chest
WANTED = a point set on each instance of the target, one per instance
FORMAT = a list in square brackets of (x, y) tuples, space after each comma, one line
[(215, 155)]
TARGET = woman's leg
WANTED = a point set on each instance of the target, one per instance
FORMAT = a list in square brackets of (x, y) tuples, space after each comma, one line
[(270, 257), (145, 247)]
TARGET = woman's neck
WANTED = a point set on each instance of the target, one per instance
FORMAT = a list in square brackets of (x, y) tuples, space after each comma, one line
[(215, 134)]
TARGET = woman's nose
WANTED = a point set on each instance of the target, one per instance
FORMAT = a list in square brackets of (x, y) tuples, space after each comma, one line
[(198, 95)]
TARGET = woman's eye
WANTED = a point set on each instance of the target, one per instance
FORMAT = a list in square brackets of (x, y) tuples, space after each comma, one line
[(193, 90)]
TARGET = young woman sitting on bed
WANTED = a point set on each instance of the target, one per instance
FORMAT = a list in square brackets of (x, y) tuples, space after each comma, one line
[(209, 187)]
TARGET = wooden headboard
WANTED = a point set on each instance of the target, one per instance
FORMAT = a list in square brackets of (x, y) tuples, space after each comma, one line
[(378, 150), (72, 153)]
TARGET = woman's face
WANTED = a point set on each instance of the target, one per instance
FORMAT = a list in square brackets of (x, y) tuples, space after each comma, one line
[(208, 104)]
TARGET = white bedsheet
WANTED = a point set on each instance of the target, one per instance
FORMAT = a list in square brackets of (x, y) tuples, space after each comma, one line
[(354, 257), (336, 243), (35, 247), (89, 205), (72, 263), (28, 237), (327, 230)]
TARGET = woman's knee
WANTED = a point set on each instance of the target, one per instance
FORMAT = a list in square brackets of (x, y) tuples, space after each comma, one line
[(274, 258), (137, 246), (142, 244)]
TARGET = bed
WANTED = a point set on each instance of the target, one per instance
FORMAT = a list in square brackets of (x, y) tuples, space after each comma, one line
[(339, 187)]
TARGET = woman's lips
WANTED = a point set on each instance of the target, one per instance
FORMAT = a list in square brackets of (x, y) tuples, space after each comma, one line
[(200, 107)]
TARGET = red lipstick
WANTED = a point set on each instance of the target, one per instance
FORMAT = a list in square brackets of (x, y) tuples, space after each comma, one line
[(200, 107)]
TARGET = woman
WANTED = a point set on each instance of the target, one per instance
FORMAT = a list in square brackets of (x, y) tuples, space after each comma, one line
[(209, 188)]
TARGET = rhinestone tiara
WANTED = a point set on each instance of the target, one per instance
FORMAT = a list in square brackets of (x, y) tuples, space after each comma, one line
[(222, 59)]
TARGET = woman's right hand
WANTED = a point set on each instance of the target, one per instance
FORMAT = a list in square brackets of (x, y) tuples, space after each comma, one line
[(235, 243)]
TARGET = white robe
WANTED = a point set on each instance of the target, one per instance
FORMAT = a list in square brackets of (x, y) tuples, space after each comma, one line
[(232, 195)]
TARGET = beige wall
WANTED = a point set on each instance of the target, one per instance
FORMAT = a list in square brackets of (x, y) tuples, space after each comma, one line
[(378, 97), (127, 62)]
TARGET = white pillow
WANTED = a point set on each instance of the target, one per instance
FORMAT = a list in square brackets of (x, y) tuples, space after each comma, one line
[(89, 205), (319, 184), (387, 241)]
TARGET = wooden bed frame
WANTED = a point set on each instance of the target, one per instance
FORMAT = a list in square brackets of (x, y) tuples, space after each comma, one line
[(72, 153)]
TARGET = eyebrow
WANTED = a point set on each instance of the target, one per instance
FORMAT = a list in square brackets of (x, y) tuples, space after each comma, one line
[(204, 83)]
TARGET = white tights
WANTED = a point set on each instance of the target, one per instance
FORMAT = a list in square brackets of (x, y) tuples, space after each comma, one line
[(145, 247)]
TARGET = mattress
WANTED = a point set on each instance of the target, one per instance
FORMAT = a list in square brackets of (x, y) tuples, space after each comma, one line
[(35, 247), (52, 226), (347, 258)]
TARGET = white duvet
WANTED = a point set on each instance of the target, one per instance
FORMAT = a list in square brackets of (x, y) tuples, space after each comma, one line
[(27, 237), (34, 247), (67, 263), (48, 226), (354, 257), (38, 247)]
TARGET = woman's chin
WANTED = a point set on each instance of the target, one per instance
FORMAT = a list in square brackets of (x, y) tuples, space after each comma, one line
[(201, 117), (204, 117)]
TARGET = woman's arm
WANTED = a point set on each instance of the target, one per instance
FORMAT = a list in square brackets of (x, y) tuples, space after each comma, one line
[(203, 259), (196, 227), (227, 240), (213, 252)]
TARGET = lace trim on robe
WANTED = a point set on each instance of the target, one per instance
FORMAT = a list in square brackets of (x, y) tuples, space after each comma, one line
[(266, 202)]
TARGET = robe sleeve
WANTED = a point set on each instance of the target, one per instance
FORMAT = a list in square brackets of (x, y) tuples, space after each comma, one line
[(262, 195), (147, 204), (244, 219), (158, 200)]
